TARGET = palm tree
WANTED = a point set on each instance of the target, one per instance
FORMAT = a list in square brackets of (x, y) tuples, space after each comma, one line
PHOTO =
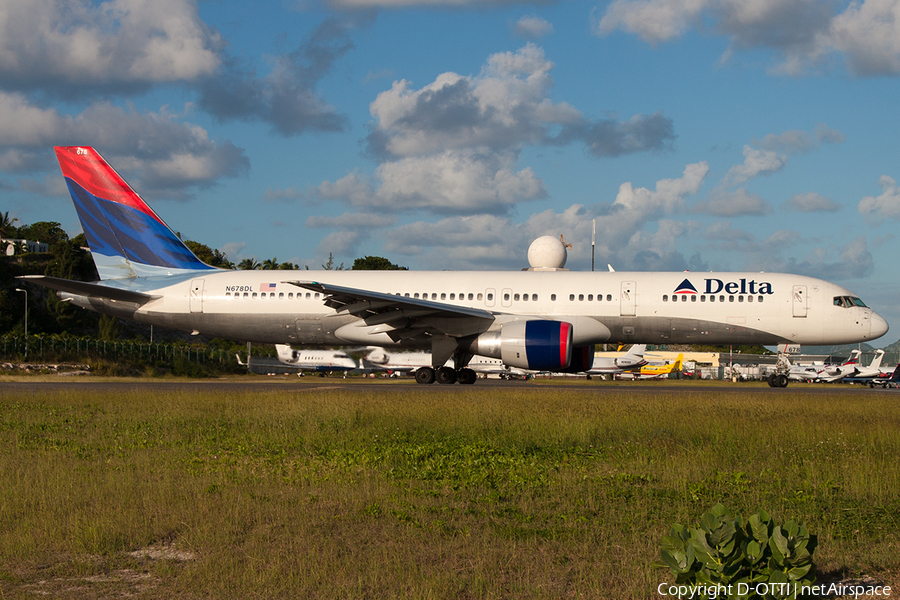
[(270, 264), (248, 264), (7, 229)]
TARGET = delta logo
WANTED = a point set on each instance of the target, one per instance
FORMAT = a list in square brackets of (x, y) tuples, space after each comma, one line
[(715, 286), (685, 287)]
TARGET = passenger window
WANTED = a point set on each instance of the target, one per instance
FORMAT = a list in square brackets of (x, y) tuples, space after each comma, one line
[(280, 295), (516, 297), (470, 296), (490, 297), (571, 297), (525, 297), (684, 298), (506, 297), (553, 297), (749, 298), (246, 295), (731, 298), (453, 296), (665, 297), (581, 297), (590, 297), (228, 294), (609, 297), (534, 297), (712, 298), (760, 298), (703, 298), (416, 295), (740, 298), (693, 298), (443, 296), (254, 294), (721, 298)]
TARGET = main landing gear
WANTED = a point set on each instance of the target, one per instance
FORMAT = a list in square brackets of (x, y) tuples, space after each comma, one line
[(445, 375), (777, 381)]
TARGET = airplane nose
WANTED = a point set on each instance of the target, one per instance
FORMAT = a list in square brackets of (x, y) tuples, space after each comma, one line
[(879, 326)]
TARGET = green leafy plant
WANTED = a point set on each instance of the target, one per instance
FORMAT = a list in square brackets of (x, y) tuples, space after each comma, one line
[(728, 551)]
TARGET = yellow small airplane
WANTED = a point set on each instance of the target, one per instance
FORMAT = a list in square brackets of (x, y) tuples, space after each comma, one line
[(661, 371)]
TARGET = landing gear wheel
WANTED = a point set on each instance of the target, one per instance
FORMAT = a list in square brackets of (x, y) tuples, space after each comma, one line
[(425, 375), (466, 376), (781, 381), (771, 380), (446, 375)]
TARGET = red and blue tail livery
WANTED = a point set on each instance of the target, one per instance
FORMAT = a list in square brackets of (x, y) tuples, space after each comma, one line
[(126, 237)]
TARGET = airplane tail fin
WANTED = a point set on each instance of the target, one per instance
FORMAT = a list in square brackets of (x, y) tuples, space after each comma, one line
[(678, 361), (127, 238), (895, 376)]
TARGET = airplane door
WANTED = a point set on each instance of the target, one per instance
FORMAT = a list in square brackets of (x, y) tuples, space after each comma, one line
[(799, 301), (506, 297), (628, 298), (196, 296)]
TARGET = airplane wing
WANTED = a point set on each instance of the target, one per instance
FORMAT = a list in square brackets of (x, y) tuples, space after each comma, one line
[(83, 288), (401, 317)]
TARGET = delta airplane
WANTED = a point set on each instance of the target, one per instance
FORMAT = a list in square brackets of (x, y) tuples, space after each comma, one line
[(543, 319)]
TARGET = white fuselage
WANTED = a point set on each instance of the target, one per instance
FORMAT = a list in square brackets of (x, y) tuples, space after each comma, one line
[(626, 307)]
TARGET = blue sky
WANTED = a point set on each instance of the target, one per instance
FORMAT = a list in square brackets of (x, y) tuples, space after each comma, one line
[(756, 135)]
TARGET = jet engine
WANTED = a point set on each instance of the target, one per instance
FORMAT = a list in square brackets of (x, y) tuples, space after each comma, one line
[(582, 359), (537, 345)]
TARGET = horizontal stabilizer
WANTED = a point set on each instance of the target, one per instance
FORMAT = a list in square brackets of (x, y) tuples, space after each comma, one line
[(83, 288)]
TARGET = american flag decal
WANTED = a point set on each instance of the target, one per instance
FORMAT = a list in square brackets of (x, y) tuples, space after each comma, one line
[(266, 287)]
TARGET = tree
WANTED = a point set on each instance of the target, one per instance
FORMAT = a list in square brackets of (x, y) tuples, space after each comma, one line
[(210, 256), (375, 263), (7, 229), (329, 266), (248, 264), (48, 232)]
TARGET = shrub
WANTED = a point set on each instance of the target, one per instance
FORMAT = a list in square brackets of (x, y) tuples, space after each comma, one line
[(727, 551)]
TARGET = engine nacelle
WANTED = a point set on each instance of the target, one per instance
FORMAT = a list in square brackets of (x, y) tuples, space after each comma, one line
[(582, 359), (537, 345)]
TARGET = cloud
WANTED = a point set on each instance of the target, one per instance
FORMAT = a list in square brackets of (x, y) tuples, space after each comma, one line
[(883, 207), (852, 261), (533, 27), (734, 203), (812, 202), (285, 98), (756, 162), (156, 152), (869, 34), (450, 182), (353, 221), (798, 142), (803, 33), (388, 4), (71, 47), (451, 147), (506, 106)]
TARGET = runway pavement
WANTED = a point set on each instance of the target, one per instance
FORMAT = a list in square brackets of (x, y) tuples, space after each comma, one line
[(310, 383)]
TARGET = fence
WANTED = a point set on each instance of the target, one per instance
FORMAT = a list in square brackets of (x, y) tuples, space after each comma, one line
[(41, 348)]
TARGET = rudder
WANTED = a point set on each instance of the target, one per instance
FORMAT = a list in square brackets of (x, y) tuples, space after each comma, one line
[(127, 238)]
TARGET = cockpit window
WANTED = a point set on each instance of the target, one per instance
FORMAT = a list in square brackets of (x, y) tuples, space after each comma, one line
[(849, 302)]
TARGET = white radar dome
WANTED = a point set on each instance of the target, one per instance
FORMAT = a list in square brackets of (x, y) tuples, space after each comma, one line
[(547, 252)]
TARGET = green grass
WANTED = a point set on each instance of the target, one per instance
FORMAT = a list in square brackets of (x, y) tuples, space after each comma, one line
[(515, 492)]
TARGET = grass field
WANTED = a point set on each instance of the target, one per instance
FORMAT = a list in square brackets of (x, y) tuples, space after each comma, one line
[(500, 492)]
